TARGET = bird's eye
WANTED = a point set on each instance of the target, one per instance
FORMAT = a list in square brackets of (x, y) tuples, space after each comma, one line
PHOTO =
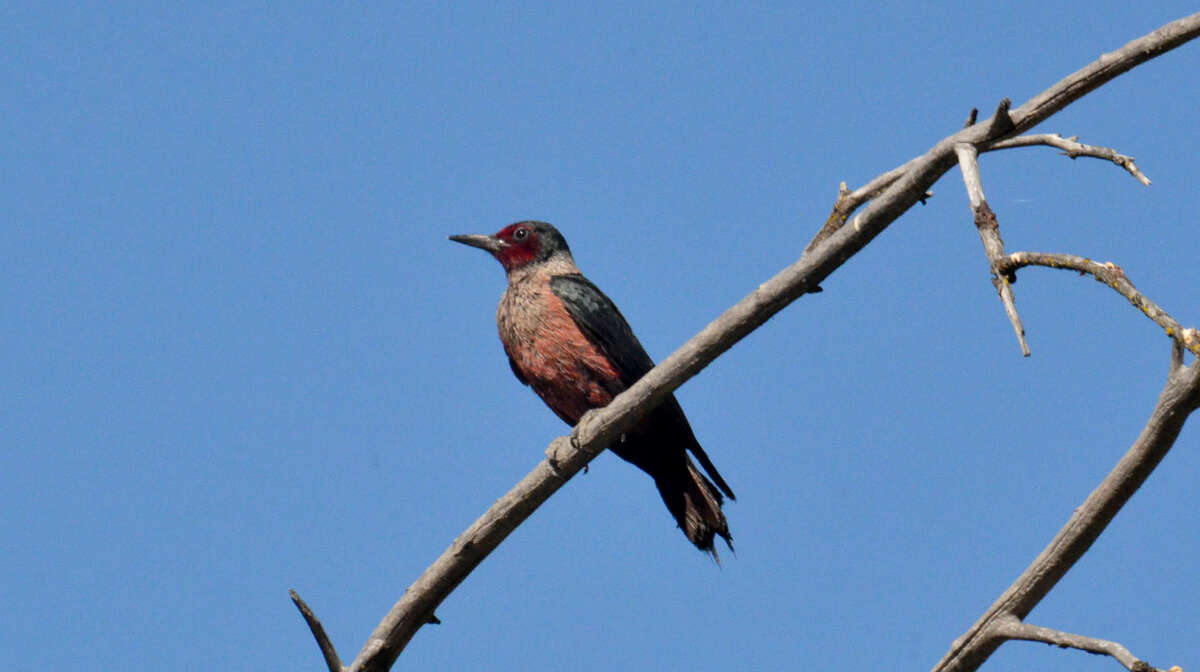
[(520, 234)]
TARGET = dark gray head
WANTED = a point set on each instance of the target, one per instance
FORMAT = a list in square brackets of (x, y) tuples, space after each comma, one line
[(520, 244)]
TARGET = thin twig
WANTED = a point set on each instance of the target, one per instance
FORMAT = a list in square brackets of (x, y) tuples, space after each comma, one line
[(1011, 628), (1113, 276), (1073, 148), (318, 631), (989, 232)]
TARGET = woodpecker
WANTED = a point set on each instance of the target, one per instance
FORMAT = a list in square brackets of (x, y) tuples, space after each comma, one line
[(568, 341)]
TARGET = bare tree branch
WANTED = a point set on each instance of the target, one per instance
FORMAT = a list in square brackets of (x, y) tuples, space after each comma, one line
[(1003, 267), (1073, 541), (892, 194), (1113, 276), (989, 232), (1072, 148), (318, 631), (1012, 628)]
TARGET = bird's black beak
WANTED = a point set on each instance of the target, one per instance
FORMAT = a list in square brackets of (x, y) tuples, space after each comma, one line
[(490, 243)]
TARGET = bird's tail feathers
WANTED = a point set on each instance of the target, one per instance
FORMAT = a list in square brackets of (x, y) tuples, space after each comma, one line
[(702, 458), (696, 505)]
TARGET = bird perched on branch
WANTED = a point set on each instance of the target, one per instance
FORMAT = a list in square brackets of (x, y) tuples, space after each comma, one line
[(568, 341)]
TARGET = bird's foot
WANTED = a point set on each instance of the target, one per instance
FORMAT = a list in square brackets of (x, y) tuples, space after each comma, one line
[(556, 453), (576, 440)]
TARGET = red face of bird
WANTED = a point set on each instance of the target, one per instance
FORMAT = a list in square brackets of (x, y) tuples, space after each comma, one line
[(519, 244)]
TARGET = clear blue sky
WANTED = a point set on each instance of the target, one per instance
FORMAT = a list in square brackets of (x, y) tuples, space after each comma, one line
[(238, 355)]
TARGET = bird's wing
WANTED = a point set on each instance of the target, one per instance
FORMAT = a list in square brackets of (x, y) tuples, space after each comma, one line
[(598, 318)]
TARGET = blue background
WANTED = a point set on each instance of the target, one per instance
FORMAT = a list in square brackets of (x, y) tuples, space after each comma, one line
[(238, 355)]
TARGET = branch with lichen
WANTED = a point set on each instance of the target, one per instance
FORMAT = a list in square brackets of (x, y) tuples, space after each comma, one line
[(1114, 276), (989, 233)]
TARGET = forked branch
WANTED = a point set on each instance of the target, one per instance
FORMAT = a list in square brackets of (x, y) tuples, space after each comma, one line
[(1003, 267), (1003, 621)]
